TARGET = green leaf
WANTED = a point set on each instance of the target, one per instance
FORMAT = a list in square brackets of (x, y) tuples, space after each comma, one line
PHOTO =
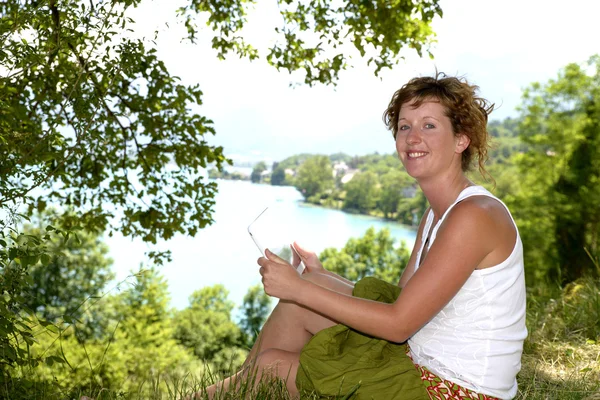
[(45, 259)]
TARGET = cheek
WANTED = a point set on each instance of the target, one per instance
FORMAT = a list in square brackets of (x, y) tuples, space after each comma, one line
[(398, 144)]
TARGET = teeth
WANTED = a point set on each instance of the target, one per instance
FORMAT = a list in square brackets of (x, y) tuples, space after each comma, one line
[(415, 155)]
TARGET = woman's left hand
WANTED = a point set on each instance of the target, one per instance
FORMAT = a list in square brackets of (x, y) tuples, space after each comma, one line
[(279, 278)]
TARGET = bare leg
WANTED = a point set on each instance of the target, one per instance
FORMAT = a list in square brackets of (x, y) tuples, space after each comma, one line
[(270, 364), (287, 330)]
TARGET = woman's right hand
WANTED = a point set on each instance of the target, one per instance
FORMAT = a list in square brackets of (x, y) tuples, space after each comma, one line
[(310, 259)]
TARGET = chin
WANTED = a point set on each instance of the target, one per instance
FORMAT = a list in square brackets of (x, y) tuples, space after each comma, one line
[(412, 172), (416, 173)]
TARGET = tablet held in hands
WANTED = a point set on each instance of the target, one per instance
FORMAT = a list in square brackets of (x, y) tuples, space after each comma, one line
[(269, 231)]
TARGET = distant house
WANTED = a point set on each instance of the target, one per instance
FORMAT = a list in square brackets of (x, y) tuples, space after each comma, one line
[(348, 176), (289, 171), (265, 174), (340, 168)]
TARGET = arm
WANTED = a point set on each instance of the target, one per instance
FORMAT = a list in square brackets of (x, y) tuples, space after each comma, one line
[(338, 277), (467, 236)]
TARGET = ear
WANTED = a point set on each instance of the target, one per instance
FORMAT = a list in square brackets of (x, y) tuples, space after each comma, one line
[(462, 142)]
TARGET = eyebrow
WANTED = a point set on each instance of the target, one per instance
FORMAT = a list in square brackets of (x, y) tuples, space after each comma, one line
[(427, 116)]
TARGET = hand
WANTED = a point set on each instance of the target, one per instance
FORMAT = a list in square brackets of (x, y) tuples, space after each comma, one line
[(279, 278), (309, 258)]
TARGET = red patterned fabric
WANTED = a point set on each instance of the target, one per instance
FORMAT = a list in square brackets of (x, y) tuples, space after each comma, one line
[(443, 389)]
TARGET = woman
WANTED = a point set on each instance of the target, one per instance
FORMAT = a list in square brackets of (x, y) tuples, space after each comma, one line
[(459, 304)]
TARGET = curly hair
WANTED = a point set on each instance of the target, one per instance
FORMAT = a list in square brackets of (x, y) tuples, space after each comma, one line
[(467, 112)]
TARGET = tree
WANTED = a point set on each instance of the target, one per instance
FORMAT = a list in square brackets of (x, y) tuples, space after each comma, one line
[(205, 327), (362, 192), (256, 307), (412, 209), (373, 254), (557, 204), (256, 175), (278, 175), (135, 352), (314, 176), (95, 119), (77, 270), (392, 184)]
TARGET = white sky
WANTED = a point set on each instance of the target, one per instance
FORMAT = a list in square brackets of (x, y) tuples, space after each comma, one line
[(502, 46)]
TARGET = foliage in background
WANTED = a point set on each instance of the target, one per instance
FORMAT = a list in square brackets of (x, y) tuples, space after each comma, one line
[(374, 254), (77, 270), (136, 346), (314, 177), (256, 175), (362, 193), (205, 327), (18, 325), (256, 307), (559, 186)]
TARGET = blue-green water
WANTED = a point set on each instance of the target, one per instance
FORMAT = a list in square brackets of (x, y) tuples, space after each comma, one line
[(224, 253)]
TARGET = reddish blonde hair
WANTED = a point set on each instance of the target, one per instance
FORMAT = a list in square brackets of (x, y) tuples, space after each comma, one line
[(467, 112)]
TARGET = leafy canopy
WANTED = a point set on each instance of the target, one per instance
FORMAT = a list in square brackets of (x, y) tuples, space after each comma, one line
[(95, 120), (315, 36)]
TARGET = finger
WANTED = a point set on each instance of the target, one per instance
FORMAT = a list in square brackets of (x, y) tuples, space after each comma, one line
[(302, 252), (274, 257), (295, 256), (262, 261)]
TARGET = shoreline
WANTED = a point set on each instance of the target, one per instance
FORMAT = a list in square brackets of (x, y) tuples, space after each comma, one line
[(304, 203)]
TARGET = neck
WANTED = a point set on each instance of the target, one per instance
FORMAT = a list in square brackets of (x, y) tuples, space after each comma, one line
[(442, 192)]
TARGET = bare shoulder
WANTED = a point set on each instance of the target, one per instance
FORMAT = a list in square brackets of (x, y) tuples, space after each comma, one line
[(485, 219), (482, 210)]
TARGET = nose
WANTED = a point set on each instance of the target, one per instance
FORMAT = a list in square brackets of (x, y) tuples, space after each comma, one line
[(413, 136)]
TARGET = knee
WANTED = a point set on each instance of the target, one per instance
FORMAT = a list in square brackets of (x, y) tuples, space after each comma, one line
[(269, 357), (275, 362)]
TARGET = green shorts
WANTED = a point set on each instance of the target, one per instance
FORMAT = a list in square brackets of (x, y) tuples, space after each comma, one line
[(339, 362)]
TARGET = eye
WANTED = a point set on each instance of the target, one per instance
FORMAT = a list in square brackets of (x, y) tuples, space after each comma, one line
[(403, 127), (429, 126)]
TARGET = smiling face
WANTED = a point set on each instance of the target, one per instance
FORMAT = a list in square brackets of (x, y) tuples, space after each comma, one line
[(425, 141)]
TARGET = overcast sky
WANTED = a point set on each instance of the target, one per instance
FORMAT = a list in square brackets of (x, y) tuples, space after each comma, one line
[(502, 46)]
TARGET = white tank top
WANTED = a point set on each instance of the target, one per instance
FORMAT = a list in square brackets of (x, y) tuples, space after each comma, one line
[(476, 340)]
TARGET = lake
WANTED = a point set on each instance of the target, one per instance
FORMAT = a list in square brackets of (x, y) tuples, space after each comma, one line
[(224, 252)]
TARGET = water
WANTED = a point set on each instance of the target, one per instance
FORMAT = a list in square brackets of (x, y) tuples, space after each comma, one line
[(224, 252)]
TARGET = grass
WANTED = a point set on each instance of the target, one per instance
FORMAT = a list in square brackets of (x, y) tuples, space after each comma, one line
[(561, 371), (561, 359)]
